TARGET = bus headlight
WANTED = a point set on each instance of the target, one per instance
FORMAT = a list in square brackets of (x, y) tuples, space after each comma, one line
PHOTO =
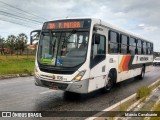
[(79, 76)]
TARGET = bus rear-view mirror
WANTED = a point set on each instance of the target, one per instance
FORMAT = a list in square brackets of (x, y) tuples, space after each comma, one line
[(34, 36)]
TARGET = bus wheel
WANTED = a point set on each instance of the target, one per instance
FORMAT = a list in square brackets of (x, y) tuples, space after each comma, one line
[(109, 84), (141, 76)]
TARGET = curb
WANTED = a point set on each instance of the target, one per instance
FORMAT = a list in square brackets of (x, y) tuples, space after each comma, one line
[(14, 76), (114, 107)]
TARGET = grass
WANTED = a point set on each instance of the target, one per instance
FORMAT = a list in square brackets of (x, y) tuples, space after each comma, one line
[(156, 108), (16, 64), (124, 106), (143, 92)]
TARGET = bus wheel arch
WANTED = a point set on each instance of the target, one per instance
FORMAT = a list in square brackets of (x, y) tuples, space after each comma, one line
[(114, 72), (141, 76), (110, 81)]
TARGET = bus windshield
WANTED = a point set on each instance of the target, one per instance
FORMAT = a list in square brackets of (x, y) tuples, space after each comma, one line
[(65, 49)]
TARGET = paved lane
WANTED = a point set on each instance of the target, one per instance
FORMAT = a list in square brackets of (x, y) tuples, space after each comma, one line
[(20, 94)]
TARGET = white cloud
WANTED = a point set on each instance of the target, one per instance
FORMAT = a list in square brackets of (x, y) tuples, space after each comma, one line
[(137, 16), (141, 25), (151, 28), (148, 27)]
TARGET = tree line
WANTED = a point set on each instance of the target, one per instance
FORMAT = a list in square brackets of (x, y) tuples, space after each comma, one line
[(13, 44)]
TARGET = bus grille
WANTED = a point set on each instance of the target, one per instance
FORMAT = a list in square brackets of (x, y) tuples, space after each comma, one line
[(61, 86)]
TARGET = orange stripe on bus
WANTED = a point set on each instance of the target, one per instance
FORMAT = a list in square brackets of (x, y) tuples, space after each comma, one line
[(121, 64), (126, 61)]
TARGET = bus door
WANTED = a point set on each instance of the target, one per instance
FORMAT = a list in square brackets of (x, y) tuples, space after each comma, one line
[(98, 59)]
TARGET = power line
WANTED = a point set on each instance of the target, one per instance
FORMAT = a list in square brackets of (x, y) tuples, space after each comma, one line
[(13, 11), (13, 15), (15, 23), (23, 10), (18, 20), (20, 23), (9, 14)]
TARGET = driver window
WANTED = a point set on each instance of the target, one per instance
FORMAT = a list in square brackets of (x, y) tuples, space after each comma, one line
[(100, 49)]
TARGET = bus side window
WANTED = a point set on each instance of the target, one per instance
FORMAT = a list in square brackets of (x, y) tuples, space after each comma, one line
[(148, 48), (113, 42), (101, 47), (144, 48), (151, 48), (98, 49), (124, 44), (132, 46), (139, 47)]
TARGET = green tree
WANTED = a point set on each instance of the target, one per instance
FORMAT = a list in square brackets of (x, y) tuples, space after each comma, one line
[(2, 45), (21, 42), (10, 42)]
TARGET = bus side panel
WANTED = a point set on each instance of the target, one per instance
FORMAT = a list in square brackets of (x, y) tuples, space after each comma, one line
[(98, 79), (133, 67), (123, 67), (97, 76), (150, 66)]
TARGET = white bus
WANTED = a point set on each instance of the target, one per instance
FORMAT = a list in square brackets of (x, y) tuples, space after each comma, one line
[(83, 55)]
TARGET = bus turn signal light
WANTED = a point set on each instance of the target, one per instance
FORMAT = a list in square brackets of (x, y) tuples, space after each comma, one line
[(79, 76)]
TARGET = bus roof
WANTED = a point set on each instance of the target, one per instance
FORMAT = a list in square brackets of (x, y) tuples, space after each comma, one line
[(108, 25)]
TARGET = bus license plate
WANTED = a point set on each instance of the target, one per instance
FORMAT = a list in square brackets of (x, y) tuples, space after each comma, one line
[(54, 87)]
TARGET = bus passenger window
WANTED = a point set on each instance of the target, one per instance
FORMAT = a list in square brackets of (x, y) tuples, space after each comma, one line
[(124, 42), (132, 46), (113, 44), (144, 48), (148, 48), (151, 48), (139, 47)]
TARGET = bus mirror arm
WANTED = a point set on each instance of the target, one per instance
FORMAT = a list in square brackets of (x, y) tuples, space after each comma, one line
[(34, 35), (30, 39)]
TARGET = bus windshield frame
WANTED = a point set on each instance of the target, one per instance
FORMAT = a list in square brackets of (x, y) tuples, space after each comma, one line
[(63, 48)]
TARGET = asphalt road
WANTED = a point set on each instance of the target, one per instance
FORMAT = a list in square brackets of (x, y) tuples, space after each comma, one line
[(20, 94)]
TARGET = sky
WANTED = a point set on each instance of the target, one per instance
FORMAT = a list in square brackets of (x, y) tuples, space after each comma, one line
[(140, 17)]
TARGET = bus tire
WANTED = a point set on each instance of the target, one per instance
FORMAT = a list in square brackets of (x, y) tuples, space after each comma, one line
[(109, 84), (141, 76)]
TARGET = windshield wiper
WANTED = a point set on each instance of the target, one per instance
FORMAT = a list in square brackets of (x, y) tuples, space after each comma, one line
[(72, 32), (67, 37)]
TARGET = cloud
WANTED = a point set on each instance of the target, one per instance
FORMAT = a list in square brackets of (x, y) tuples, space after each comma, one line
[(141, 17), (147, 27), (141, 25)]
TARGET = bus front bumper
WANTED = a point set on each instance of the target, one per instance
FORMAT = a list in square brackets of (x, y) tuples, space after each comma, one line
[(77, 87)]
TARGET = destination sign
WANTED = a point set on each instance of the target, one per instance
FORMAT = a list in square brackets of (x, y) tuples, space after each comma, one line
[(62, 25), (67, 24)]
